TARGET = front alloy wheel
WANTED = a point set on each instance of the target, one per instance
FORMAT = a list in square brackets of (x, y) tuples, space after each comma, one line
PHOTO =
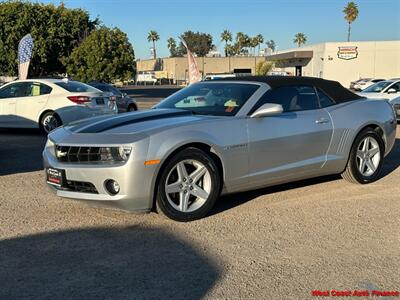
[(189, 186), (49, 122)]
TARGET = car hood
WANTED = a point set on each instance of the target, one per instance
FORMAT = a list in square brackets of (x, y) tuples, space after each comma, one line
[(136, 122)]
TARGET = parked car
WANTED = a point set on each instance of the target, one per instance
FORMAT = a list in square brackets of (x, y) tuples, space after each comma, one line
[(253, 132), (362, 84), (387, 89), (146, 78), (124, 102), (50, 103)]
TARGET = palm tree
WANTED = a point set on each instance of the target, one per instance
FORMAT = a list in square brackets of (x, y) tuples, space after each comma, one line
[(260, 40), (226, 36), (240, 41), (271, 45), (350, 15), (171, 44), (153, 37), (300, 39), (253, 44)]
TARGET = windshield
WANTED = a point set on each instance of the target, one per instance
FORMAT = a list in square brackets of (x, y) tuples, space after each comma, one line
[(76, 87), (377, 87), (207, 98)]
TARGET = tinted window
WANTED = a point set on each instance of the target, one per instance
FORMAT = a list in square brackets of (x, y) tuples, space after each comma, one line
[(76, 87), (324, 100), (15, 90), (292, 98), (377, 87), (395, 86), (25, 89), (220, 99), (108, 89), (45, 89)]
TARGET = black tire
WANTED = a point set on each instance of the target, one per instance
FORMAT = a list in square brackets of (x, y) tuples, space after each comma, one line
[(132, 107), (352, 172), (162, 203), (45, 129)]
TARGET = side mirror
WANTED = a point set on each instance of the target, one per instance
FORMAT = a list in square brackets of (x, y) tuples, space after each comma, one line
[(267, 109), (124, 94), (391, 91)]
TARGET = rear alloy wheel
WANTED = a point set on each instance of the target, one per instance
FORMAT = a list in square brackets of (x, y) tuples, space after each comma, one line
[(49, 122), (366, 158), (189, 186)]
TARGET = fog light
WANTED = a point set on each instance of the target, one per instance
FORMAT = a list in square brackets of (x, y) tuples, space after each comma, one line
[(112, 186)]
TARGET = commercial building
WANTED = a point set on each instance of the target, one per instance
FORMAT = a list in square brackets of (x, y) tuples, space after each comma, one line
[(341, 61), (176, 68), (344, 61)]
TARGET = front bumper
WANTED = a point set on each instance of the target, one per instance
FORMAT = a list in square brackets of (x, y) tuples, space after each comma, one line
[(135, 179)]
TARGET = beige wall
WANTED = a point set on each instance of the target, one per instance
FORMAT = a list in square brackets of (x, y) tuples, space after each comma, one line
[(176, 67), (379, 59)]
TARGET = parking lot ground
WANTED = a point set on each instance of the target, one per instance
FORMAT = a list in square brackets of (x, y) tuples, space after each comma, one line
[(275, 243)]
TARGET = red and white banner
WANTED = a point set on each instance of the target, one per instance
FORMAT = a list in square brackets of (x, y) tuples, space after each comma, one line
[(194, 73)]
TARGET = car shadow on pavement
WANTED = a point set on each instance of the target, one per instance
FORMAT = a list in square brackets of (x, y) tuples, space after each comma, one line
[(21, 150), (103, 263), (392, 162)]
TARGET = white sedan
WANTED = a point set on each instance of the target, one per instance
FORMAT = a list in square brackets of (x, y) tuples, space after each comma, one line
[(388, 89), (50, 103)]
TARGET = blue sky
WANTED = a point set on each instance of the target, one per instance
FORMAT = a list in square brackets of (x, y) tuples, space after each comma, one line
[(321, 21)]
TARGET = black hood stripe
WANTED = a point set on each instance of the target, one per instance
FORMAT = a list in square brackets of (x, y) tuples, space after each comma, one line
[(132, 118)]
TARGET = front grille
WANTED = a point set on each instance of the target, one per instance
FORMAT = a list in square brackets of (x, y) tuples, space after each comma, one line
[(77, 154), (80, 186)]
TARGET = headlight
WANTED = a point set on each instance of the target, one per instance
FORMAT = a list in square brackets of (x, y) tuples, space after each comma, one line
[(114, 153), (50, 146)]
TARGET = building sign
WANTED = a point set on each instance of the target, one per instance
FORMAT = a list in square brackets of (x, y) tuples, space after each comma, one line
[(347, 53)]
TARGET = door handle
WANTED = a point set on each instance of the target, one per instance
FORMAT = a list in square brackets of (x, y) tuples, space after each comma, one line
[(322, 121)]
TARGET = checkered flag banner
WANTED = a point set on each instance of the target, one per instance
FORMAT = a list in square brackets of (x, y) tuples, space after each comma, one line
[(24, 55), (194, 73)]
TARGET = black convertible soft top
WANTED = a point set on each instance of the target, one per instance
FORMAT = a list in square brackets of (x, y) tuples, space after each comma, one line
[(332, 88)]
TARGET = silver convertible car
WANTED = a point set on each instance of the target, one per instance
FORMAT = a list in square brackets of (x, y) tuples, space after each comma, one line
[(218, 137)]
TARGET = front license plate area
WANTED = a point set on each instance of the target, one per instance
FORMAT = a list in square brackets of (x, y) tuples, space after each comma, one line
[(55, 177)]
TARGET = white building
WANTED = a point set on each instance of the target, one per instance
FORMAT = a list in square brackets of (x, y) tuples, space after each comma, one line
[(344, 61)]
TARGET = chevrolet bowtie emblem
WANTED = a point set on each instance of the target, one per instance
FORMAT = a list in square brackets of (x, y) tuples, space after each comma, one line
[(60, 153)]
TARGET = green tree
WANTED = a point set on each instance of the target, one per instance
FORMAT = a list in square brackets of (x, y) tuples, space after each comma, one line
[(263, 67), (260, 40), (153, 37), (242, 41), (171, 44), (105, 55), (230, 50), (300, 39), (271, 45), (56, 30), (198, 42), (350, 15), (226, 36), (253, 44)]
